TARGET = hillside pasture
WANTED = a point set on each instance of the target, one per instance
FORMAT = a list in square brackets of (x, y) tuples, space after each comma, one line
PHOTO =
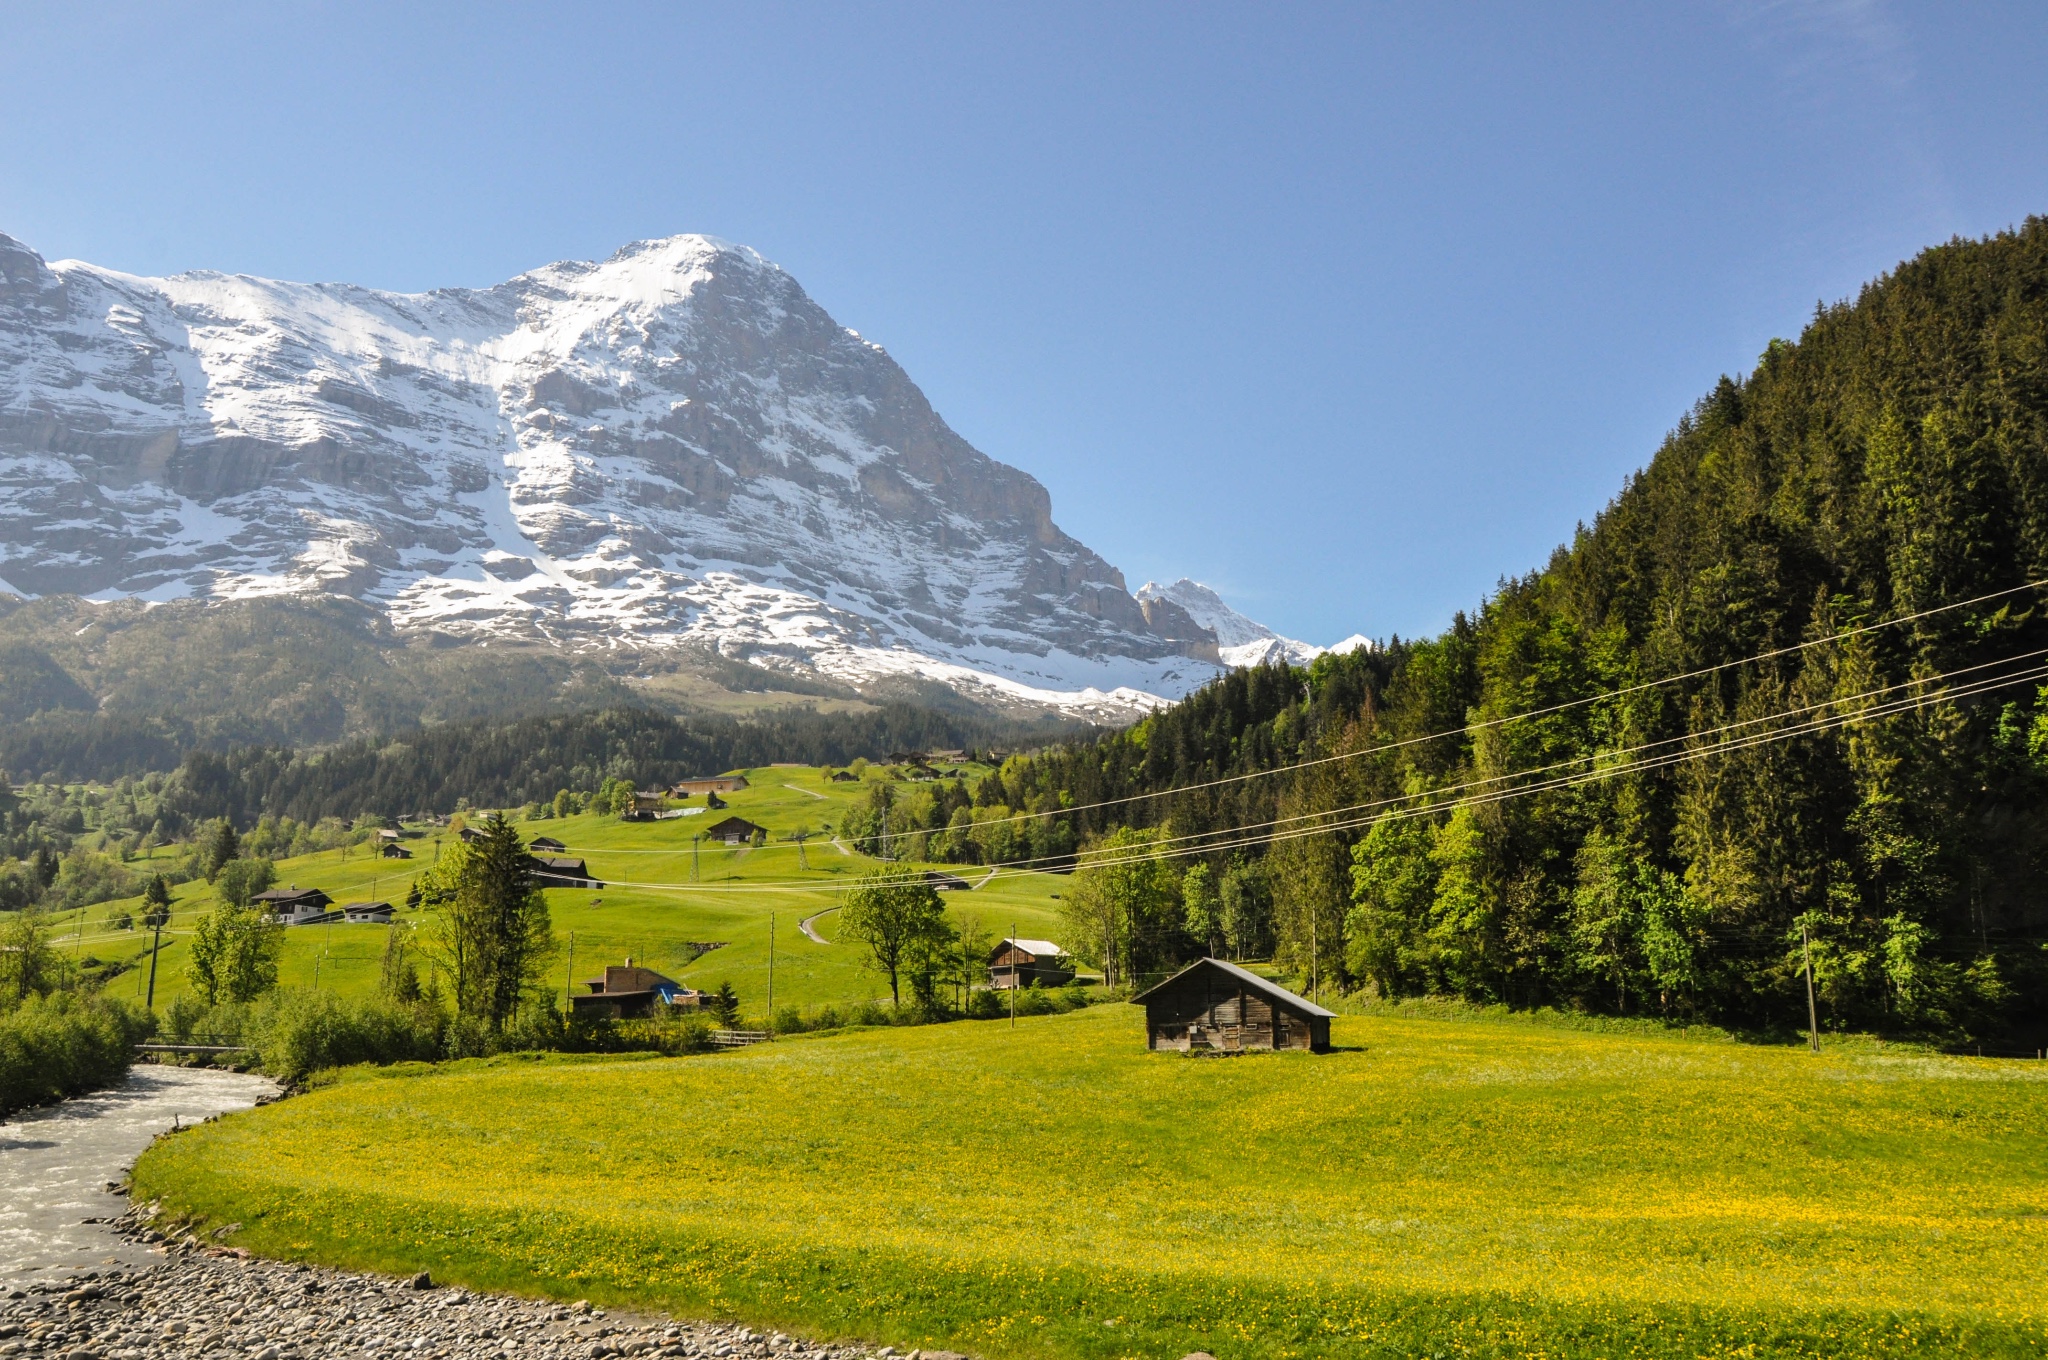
[(656, 907), (1432, 1188)]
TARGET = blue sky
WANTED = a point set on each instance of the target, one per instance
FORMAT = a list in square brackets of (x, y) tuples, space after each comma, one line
[(1346, 310)]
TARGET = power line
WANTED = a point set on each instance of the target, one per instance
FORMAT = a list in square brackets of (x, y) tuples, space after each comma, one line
[(1565, 706), (1430, 802)]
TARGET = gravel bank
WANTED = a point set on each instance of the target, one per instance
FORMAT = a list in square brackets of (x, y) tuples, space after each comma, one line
[(212, 1303)]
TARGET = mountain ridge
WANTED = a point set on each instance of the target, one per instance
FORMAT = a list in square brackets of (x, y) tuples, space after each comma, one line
[(673, 446)]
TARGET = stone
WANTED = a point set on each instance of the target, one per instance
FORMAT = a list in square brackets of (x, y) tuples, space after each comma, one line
[(423, 1280)]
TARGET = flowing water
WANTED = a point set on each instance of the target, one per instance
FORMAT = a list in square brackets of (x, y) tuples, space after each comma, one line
[(55, 1163)]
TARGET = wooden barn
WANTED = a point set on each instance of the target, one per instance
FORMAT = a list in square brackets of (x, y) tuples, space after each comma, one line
[(1214, 1006), (393, 850), (560, 871), (1029, 963), (734, 831), (724, 783), (545, 845)]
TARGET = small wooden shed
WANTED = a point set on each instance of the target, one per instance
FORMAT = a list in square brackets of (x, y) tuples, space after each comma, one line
[(393, 850), (545, 845), (1215, 1006)]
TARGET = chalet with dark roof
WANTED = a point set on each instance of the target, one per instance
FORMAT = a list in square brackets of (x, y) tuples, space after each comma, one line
[(734, 831), (627, 992), (560, 871), (294, 906)]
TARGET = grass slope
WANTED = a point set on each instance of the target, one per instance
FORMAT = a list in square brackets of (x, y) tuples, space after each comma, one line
[(1434, 1188), (737, 899)]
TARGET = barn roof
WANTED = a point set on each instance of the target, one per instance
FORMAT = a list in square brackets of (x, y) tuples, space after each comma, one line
[(1038, 949), (1251, 981), (734, 824)]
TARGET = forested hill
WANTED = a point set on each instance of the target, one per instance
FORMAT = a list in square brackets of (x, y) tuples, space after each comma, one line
[(1892, 461)]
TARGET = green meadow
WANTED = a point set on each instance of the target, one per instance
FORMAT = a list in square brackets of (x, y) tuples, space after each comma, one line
[(1432, 1188), (747, 901)]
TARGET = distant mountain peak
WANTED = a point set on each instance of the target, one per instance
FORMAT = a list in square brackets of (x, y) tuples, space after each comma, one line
[(1241, 641)]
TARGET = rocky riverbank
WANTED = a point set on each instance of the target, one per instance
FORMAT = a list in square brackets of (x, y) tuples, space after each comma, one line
[(205, 1302)]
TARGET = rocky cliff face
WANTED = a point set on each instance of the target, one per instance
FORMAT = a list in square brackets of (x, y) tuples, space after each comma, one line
[(673, 446)]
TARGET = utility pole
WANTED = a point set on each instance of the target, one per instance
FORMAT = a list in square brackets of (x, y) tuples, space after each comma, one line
[(771, 968), (1013, 975), (155, 946), (1313, 958), (1812, 1014), (569, 977), (693, 855)]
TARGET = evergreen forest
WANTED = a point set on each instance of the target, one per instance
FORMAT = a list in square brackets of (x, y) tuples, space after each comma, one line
[(1779, 707)]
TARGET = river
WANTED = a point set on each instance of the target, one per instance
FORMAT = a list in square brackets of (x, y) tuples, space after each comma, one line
[(55, 1163)]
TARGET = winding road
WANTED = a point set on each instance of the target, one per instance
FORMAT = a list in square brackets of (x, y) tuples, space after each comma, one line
[(805, 926)]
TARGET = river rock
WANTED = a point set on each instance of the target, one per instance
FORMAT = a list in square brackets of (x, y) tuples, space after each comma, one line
[(211, 1302)]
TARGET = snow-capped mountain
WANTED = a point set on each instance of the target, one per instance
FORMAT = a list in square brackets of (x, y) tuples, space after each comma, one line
[(1240, 641), (673, 446)]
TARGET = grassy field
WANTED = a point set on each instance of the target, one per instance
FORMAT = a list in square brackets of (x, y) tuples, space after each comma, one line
[(737, 898), (1434, 1188)]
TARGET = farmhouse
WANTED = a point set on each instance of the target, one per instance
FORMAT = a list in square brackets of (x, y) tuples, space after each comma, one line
[(546, 845), (626, 992), (1213, 1006), (724, 783), (942, 881), (368, 913), (734, 831), (559, 871), (393, 850), (1029, 963), (845, 777), (390, 833), (293, 906), (470, 835)]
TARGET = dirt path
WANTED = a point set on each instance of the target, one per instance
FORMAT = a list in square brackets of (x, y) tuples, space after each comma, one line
[(840, 846), (808, 793), (805, 926)]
